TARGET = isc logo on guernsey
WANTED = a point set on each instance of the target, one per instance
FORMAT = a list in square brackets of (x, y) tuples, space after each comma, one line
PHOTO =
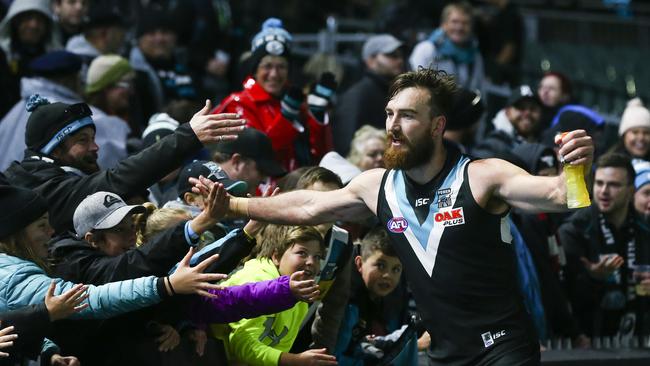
[(397, 225), (451, 217)]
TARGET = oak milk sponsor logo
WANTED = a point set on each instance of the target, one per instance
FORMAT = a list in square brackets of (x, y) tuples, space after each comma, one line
[(452, 217), (489, 338), (444, 198), (397, 225)]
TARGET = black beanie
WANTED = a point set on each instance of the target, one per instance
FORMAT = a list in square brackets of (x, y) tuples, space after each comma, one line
[(50, 123), (20, 207), (467, 108)]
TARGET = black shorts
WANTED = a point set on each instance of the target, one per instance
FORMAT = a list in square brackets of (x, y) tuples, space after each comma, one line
[(505, 355)]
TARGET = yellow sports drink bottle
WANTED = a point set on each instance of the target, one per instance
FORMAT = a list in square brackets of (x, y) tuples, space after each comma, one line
[(576, 189)]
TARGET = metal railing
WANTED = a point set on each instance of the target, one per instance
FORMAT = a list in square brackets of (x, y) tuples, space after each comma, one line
[(329, 39), (542, 26), (602, 77)]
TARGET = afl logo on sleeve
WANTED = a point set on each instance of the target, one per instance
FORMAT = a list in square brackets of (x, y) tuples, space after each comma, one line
[(397, 225)]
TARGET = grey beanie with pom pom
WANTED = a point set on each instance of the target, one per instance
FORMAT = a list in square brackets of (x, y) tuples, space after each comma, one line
[(50, 123)]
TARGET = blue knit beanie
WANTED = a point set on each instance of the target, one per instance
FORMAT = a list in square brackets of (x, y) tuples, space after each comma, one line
[(642, 169)]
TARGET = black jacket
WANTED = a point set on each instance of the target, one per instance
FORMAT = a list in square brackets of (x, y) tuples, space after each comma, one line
[(363, 103), (497, 144), (77, 260), (581, 237), (64, 191), (32, 324)]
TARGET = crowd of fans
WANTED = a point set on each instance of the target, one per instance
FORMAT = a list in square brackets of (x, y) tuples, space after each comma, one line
[(111, 255)]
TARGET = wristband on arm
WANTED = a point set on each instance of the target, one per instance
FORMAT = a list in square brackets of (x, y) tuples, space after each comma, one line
[(239, 206)]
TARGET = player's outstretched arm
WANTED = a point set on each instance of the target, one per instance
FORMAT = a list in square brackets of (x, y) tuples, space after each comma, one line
[(350, 203), (355, 201)]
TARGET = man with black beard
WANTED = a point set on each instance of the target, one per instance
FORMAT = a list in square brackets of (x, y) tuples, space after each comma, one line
[(446, 216)]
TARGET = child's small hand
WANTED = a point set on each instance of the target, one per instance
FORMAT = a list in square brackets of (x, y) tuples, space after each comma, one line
[(7, 339), (200, 338), (316, 357), (303, 289), (58, 360), (66, 304), (168, 339), (216, 206), (424, 341), (191, 280)]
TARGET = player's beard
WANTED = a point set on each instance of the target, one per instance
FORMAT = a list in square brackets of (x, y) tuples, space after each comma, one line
[(409, 154)]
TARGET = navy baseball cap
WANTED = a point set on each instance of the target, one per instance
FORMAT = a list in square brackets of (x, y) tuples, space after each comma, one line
[(58, 62), (212, 171)]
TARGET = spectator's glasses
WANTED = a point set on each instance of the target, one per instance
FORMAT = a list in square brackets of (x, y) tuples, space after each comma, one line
[(278, 66)]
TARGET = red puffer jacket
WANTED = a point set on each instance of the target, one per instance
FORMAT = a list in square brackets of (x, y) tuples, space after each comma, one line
[(262, 111)]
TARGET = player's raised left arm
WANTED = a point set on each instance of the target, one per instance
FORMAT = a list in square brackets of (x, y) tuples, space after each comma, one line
[(514, 186)]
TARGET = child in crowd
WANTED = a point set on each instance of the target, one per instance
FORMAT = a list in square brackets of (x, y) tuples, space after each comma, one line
[(266, 340), (375, 309), (155, 220), (321, 330), (232, 245), (194, 202)]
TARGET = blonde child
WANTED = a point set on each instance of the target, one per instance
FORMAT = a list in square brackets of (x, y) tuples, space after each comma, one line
[(266, 340)]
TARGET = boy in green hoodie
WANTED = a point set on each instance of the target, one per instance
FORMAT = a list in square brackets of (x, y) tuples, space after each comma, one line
[(266, 340)]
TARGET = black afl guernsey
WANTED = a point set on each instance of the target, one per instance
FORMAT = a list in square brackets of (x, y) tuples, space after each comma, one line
[(460, 264)]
